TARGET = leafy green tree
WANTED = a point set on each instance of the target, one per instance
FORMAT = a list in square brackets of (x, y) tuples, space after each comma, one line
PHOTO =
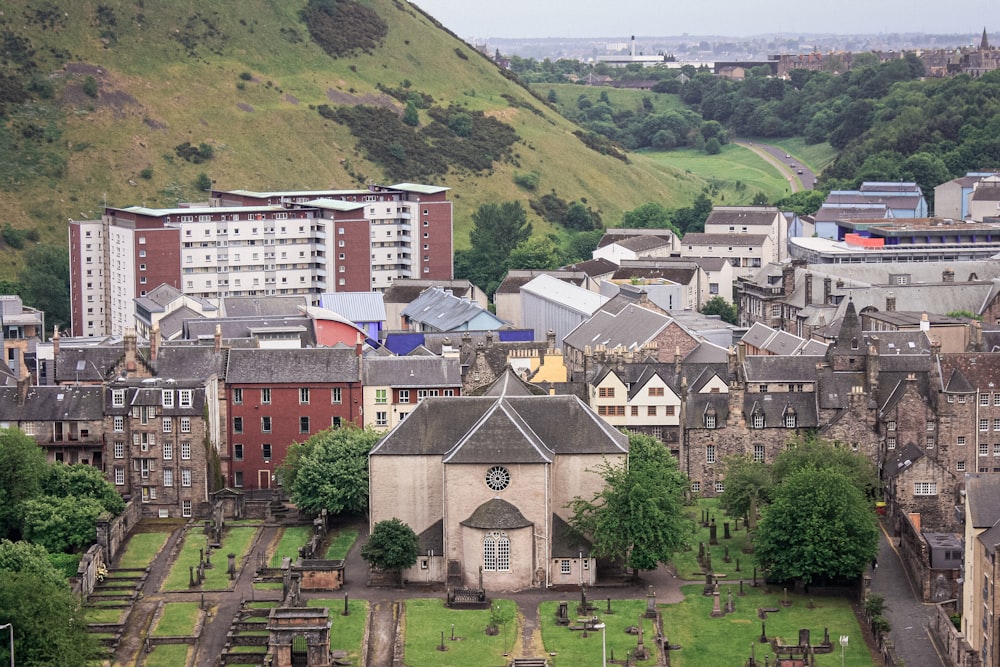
[(534, 253), (638, 517), (333, 473), (61, 523), (496, 230), (83, 481), (552, 97), (22, 471), (804, 202), (819, 527), (719, 306), (49, 626), (410, 115), (812, 452), (651, 215), (392, 546), (692, 218), (202, 182), (45, 281), (713, 147), (748, 485), (578, 218)]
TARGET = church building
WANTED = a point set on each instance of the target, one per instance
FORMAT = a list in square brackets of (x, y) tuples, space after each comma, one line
[(484, 482)]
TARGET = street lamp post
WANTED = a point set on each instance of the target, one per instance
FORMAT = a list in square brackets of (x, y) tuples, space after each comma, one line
[(604, 643), (10, 627), (843, 646)]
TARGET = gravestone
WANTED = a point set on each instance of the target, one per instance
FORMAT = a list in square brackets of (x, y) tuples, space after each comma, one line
[(725, 530), (650, 603), (713, 537), (562, 613)]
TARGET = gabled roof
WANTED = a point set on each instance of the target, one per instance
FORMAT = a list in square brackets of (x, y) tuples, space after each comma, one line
[(413, 371), (982, 497), (405, 290), (581, 300), (194, 362), (355, 306), (517, 278), (630, 328), (594, 267), (775, 407), (443, 311), (780, 368), (905, 458), (270, 366), (262, 306), (967, 372), (566, 542), (743, 215), (509, 384)]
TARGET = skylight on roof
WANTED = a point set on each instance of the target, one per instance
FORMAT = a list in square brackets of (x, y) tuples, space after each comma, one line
[(80, 365)]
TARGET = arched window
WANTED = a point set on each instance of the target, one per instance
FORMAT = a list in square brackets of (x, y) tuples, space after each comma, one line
[(496, 552)]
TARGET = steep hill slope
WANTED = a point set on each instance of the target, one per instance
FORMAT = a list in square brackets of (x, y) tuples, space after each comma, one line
[(121, 86)]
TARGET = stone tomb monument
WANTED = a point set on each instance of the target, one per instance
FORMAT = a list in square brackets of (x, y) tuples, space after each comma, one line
[(285, 623)]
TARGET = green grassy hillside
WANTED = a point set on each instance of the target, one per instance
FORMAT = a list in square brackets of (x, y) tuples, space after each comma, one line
[(132, 80)]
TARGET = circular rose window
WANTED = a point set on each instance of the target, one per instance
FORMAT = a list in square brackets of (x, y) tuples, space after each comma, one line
[(497, 478)]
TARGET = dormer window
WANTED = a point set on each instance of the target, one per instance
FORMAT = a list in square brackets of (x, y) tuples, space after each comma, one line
[(790, 419), (118, 398), (757, 420), (710, 421)]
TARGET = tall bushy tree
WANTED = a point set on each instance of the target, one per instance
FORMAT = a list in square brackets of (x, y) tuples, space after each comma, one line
[(22, 471), (330, 471), (818, 527), (392, 546), (638, 518), (497, 230)]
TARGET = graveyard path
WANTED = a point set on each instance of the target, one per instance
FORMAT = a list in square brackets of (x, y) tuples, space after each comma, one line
[(224, 605), (381, 634), (906, 612)]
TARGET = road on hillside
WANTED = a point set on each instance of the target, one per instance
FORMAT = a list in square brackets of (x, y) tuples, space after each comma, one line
[(798, 175)]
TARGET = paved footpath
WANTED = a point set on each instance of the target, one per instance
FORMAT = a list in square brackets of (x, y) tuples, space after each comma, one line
[(907, 614)]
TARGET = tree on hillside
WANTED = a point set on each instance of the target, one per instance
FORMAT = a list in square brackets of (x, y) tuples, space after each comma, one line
[(392, 546), (49, 626), (819, 527), (497, 230), (45, 282), (22, 470), (651, 215), (692, 218), (719, 306), (535, 253), (638, 518), (331, 472)]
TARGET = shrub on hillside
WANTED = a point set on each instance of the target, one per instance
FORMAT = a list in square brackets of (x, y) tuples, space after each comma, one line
[(343, 27)]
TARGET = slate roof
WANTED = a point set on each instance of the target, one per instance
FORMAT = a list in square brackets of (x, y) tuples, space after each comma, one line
[(630, 328), (707, 353), (567, 543), (795, 369), (681, 275), (743, 215), (158, 297), (594, 267), (618, 235), (53, 403), (443, 311), (832, 213), (406, 290), (517, 278), (496, 514), (355, 306), (87, 364), (506, 429), (970, 371), (247, 327), (904, 459), (986, 193), (432, 538), (776, 406), (260, 306), (771, 340), (269, 366), (982, 494), (699, 404), (641, 243), (509, 384), (189, 361), (701, 238), (413, 371)]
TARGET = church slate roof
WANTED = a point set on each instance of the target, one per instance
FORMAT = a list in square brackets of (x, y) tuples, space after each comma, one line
[(496, 514), (431, 540), (262, 366), (507, 428), (566, 542)]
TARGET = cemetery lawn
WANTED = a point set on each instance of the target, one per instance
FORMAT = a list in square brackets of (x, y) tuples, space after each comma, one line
[(142, 549), (167, 655), (686, 562), (292, 539), (726, 641), (234, 540), (102, 615), (572, 649), (427, 618), (347, 633), (341, 542), (178, 619)]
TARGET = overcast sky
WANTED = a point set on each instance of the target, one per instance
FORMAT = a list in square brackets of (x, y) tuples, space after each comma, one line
[(600, 18)]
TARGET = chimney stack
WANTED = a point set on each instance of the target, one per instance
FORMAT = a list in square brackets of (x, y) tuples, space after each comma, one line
[(218, 338), (809, 289), (787, 279), (154, 342), (129, 341), (827, 289), (22, 390)]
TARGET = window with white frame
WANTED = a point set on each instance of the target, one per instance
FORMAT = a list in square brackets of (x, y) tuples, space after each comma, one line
[(695, 487), (925, 488), (185, 477), (930, 425), (960, 440), (710, 421), (168, 477), (890, 442), (984, 424), (119, 424), (960, 466), (186, 508), (984, 449), (710, 454), (168, 398), (168, 450), (381, 418), (118, 398), (996, 398), (265, 395), (119, 476), (336, 396), (119, 449), (184, 398), (789, 420), (168, 425), (185, 424), (496, 552), (237, 392), (758, 420), (404, 395), (186, 451), (890, 425), (265, 424), (758, 453), (984, 399), (304, 395), (564, 566)]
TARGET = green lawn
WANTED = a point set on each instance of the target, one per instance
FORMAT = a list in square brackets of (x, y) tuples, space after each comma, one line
[(167, 655), (142, 549), (736, 173), (427, 618), (686, 562), (340, 542), (346, 632), (726, 641), (572, 649), (234, 540), (815, 156), (178, 619), (292, 539)]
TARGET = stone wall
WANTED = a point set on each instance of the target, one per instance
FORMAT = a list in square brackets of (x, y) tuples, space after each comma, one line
[(111, 534), (916, 556), (89, 571), (950, 642)]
